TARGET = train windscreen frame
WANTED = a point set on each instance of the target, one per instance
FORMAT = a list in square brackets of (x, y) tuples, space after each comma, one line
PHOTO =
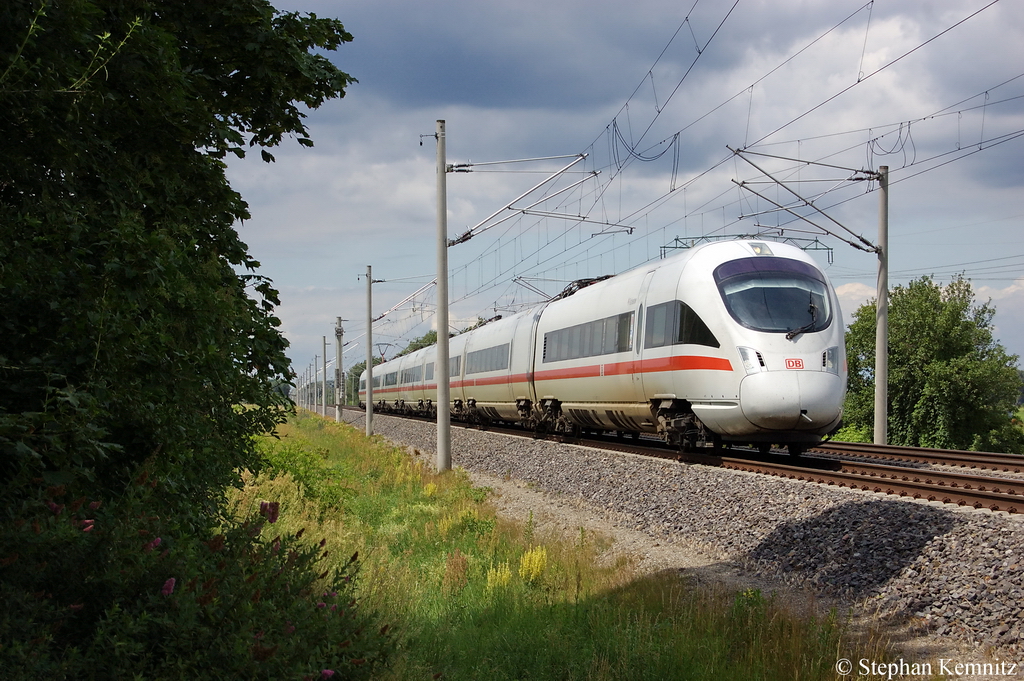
[(775, 295)]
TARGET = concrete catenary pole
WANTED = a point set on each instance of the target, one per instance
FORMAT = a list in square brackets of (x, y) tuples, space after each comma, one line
[(882, 313), (339, 375), (369, 351), (324, 383), (444, 454)]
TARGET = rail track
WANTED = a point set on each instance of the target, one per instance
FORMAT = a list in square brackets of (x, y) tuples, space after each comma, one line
[(944, 457), (842, 464)]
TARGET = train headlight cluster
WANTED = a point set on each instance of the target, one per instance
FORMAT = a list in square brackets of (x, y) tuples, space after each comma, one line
[(830, 360), (753, 362)]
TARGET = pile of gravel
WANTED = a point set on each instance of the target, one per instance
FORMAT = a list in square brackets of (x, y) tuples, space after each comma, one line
[(956, 571)]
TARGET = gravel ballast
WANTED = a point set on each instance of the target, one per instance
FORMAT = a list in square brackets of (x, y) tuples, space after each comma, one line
[(956, 572)]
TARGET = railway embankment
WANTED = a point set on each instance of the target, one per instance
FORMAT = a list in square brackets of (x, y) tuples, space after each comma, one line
[(958, 573)]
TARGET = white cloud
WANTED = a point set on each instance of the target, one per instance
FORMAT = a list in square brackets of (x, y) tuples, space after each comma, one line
[(852, 296)]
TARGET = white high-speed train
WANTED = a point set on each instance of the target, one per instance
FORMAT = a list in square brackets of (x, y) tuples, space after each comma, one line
[(727, 342)]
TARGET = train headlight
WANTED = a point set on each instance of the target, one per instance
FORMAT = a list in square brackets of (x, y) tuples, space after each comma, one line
[(830, 360), (753, 362)]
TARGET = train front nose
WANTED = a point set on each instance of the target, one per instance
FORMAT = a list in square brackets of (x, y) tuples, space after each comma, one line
[(792, 400)]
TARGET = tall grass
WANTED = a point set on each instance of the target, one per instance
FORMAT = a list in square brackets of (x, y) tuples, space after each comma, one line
[(471, 596)]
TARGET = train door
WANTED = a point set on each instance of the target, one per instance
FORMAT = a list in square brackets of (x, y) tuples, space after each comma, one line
[(638, 340), (524, 346)]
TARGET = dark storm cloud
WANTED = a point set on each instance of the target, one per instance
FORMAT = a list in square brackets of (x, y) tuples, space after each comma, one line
[(520, 55)]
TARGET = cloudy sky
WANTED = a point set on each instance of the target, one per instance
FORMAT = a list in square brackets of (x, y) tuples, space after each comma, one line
[(657, 95)]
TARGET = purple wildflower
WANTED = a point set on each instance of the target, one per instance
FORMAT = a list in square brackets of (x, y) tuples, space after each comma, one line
[(270, 510), (326, 673), (168, 587)]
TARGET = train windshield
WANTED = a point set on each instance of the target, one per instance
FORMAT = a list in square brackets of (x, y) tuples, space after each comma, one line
[(777, 295)]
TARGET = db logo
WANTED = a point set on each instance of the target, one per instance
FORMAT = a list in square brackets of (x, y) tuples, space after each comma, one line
[(794, 364)]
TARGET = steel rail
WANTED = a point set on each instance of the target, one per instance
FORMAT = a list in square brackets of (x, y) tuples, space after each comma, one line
[(930, 476), (945, 457), (961, 496)]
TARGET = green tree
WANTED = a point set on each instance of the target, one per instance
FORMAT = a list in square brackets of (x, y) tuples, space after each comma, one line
[(424, 341), (133, 321), (951, 384), (139, 352)]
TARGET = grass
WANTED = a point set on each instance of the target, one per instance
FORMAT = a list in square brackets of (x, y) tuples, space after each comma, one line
[(471, 596)]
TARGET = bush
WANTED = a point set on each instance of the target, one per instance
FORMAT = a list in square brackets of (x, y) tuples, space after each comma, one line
[(111, 591)]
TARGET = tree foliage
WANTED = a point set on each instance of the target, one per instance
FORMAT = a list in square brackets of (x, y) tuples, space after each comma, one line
[(136, 333), (951, 385), (133, 321), (424, 341)]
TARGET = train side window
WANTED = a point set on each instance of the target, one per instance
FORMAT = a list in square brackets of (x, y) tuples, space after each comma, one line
[(625, 335), (599, 337), (675, 323), (455, 366), (362, 384), (660, 323), (561, 345), (489, 359), (611, 336), (585, 348), (376, 381), (692, 329), (573, 342), (391, 379), (412, 375), (429, 372)]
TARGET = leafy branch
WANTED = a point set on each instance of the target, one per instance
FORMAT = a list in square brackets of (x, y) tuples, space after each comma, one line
[(33, 27), (93, 68)]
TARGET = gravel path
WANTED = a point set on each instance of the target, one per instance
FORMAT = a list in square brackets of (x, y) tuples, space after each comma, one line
[(952, 573)]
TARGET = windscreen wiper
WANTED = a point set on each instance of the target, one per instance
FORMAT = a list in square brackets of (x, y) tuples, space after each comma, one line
[(813, 309)]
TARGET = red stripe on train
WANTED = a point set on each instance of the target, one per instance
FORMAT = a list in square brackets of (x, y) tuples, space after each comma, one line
[(674, 363)]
